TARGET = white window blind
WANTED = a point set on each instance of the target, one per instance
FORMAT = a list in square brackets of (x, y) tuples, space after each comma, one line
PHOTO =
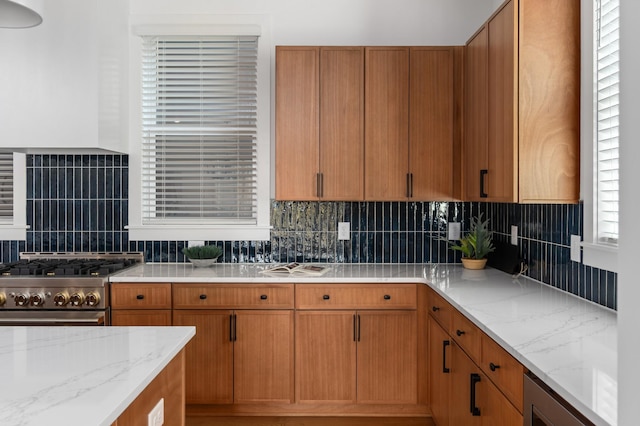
[(607, 60), (6, 188), (199, 124)]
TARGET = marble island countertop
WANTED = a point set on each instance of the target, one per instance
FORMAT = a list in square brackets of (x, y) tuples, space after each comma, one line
[(80, 376), (568, 342)]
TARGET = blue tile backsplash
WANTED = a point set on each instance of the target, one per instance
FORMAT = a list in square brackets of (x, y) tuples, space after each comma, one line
[(80, 203)]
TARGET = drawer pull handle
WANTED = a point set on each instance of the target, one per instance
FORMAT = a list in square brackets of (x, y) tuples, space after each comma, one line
[(493, 367), (475, 411), (326, 297), (387, 297), (203, 296), (459, 333), (263, 297), (140, 296), (435, 308)]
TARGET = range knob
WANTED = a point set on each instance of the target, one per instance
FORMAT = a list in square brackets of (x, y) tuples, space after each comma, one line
[(22, 299), (37, 299), (92, 299), (3, 299), (61, 299), (77, 299)]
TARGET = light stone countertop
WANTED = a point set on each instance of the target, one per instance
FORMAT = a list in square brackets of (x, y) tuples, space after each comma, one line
[(570, 343), (80, 376)]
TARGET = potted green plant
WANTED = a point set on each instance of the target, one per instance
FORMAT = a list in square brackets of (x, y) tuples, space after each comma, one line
[(476, 245), (202, 256)]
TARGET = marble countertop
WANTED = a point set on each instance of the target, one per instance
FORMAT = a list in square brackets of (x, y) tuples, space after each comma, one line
[(84, 376), (568, 342)]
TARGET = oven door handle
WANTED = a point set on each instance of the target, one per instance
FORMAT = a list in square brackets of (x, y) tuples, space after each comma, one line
[(52, 321)]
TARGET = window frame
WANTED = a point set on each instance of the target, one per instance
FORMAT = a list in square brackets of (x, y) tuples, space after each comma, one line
[(207, 25), (595, 254), (17, 230)]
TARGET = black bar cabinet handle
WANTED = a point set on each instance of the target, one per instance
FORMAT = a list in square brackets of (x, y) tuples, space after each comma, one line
[(358, 328), (445, 343), (387, 297), (483, 173), (231, 328), (326, 297), (475, 411), (235, 327), (355, 329), (408, 185), (319, 184), (459, 333), (493, 367), (263, 297), (140, 296)]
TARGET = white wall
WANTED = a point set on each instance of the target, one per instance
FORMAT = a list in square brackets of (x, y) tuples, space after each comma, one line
[(629, 250), (347, 22)]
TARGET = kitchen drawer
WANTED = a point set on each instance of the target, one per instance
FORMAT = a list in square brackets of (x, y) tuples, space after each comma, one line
[(504, 370), (140, 296), (467, 335), (232, 296), (441, 310), (356, 296)]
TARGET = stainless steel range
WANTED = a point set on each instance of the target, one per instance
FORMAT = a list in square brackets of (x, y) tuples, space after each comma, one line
[(59, 288)]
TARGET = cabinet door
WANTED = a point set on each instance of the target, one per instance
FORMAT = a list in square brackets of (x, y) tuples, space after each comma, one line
[(475, 121), (135, 317), (501, 180), (263, 356), (440, 368), (386, 123), (461, 389), (297, 142), (325, 356), (209, 363), (387, 357), (495, 408), (431, 123), (342, 123)]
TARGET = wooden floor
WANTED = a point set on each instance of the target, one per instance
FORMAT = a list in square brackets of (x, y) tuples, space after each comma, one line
[(308, 421)]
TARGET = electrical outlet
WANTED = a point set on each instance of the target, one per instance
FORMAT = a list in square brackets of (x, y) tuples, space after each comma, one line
[(576, 248), (344, 230), (453, 232), (156, 415), (514, 235)]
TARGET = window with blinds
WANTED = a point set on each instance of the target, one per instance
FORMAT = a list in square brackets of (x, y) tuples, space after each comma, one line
[(607, 60), (6, 188), (199, 130)]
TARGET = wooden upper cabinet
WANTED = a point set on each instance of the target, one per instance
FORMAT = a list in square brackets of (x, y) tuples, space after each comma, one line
[(549, 101), (297, 122), (342, 123), (475, 148), (319, 123), (386, 123), (532, 89), (431, 123)]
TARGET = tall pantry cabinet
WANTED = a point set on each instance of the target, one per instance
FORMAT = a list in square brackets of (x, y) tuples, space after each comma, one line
[(522, 84)]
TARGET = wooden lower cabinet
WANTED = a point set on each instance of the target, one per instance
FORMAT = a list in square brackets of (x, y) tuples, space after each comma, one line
[(366, 357), (238, 356), (462, 393), (135, 304)]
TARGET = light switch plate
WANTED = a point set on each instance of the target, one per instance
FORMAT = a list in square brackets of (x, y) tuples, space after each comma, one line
[(453, 231), (344, 230), (514, 235), (576, 248)]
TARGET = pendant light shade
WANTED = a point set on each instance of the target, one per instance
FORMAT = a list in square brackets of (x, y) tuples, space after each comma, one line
[(15, 14)]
